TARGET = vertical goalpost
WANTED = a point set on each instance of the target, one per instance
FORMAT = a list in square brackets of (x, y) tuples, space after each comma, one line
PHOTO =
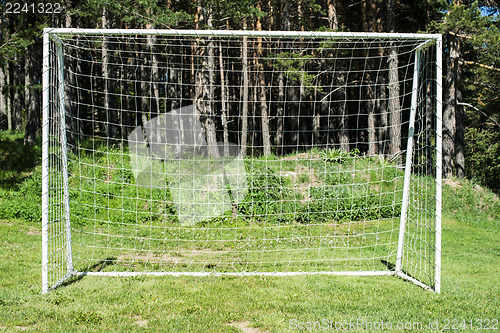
[(201, 152)]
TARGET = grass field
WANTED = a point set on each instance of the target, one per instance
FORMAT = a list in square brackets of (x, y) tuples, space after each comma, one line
[(470, 280)]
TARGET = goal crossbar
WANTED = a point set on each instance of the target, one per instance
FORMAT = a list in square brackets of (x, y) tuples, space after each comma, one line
[(54, 32)]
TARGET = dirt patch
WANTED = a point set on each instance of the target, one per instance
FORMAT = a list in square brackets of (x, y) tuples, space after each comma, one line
[(451, 182), (477, 188), (22, 328), (180, 256), (203, 253), (150, 257), (245, 327), (303, 156), (481, 189), (344, 228), (140, 322), (34, 232), (299, 185)]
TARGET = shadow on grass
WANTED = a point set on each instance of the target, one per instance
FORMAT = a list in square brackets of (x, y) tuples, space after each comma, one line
[(390, 266), (17, 161), (97, 267), (100, 265)]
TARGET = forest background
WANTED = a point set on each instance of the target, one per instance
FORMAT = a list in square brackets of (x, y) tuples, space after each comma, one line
[(471, 119)]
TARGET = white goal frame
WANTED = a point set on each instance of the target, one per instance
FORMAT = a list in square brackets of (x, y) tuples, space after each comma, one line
[(57, 245)]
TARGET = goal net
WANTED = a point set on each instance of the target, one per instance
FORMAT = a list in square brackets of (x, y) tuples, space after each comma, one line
[(171, 152)]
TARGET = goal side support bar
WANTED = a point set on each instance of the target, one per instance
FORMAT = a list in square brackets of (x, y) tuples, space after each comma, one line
[(439, 158), (409, 156), (45, 162), (47, 37), (406, 187), (64, 152)]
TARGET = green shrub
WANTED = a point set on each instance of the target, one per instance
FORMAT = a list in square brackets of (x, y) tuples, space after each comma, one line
[(470, 203), (334, 155), (267, 195), (346, 203), (482, 157), (25, 204)]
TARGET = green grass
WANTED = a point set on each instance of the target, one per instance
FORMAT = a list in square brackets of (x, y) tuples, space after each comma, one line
[(470, 281)]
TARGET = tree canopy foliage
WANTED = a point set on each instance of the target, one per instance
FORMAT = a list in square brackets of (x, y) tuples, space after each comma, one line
[(475, 26)]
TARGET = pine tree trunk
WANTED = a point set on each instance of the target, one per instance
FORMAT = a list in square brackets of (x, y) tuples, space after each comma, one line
[(174, 92), (17, 76), (3, 104), (144, 89), (127, 115), (382, 135), (205, 89), (4, 92), (450, 109), (333, 22), (9, 95), (372, 22), (370, 105), (154, 83), (32, 99), (460, 132), (292, 108), (271, 14), (341, 94), (209, 98), (7, 86), (428, 128), (394, 106), (285, 16), (266, 140), (343, 116), (244, 108), (293, 114), (460, 117), (155, 75), (84, 95), (69, 90), (224, 99), (280, 113), (280, 110), (27, 80), (109, 83)]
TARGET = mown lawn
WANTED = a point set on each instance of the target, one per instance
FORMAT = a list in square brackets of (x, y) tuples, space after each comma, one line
[(470, 286)]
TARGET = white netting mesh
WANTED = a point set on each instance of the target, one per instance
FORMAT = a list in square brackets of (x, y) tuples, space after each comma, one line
[(241, 154)]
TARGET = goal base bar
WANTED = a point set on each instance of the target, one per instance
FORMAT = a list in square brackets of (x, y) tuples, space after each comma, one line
[(125, 274), (242, 274), (415, 281), (218, 274)]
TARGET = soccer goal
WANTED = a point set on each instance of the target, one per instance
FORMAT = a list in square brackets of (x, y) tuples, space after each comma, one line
[(189, 152)]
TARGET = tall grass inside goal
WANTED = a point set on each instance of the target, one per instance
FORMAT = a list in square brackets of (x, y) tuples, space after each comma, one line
[(182, 152)]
